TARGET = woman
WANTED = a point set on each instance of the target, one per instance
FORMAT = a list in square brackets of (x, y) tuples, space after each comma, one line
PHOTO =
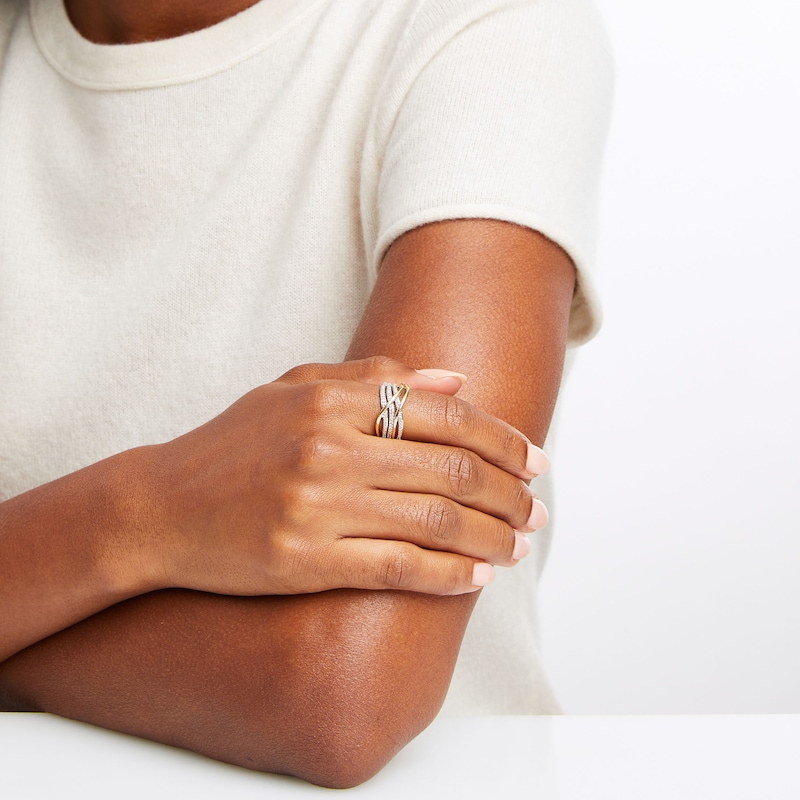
[(197, 199)]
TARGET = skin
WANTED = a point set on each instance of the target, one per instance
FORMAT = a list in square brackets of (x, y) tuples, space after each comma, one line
[(132, 21), (288, 491), (326, 686)]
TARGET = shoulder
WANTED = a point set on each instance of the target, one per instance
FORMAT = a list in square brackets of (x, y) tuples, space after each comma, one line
[(448, 17), (511, 39), (468, 48)]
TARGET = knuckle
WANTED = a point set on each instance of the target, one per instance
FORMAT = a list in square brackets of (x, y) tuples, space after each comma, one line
[(386, 369), (523, 504), (452, 577), (303, 373), (441, 520), (453, 412), (462, 472), (397, 568), (323, 399), (380, 364), (511, 444), (315, 450)]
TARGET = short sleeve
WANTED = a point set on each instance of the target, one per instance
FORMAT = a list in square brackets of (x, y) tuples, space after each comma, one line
[(497, 110)]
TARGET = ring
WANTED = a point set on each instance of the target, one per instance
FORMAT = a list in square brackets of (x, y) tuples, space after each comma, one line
[(389, 423)]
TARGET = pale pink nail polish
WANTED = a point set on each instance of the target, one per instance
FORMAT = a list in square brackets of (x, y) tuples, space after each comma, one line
[(539, 516), (482, 574), (538, 462), (438, 374), (521, 546)]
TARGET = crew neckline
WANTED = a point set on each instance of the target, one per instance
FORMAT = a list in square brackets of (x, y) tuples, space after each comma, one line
[(165, 62)]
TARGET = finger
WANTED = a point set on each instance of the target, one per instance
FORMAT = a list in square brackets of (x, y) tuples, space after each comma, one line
[(443, 419), (432, 522), (380, 564), (453, 472), (438, 523), (378, 370)]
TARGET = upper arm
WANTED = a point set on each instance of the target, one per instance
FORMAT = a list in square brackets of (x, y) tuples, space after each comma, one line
[(487, 298)]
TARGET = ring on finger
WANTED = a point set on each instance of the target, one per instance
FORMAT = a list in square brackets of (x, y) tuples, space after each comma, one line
[(389, 424)]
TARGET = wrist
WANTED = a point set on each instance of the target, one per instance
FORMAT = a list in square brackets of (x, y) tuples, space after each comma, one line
[(132, 559)]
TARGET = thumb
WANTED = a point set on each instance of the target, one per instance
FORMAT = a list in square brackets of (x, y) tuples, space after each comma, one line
[(438, 380), (377, 370)]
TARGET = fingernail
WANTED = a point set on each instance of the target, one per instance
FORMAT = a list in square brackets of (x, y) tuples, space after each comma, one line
[(482, 574), (438, 374), (538, 463), (521, 546), (539, 516)]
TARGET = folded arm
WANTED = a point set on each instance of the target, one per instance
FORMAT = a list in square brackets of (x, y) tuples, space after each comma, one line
[(328, 686)]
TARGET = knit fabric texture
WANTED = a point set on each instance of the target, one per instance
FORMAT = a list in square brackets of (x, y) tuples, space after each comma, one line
[(183, 220)]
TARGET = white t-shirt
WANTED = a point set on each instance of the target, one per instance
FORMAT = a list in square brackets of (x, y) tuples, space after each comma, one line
[(183, 220)]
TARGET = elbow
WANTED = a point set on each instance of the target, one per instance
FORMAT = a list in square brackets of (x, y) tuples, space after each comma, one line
[(343, 747), (357, 725), (356, 685), (345, 757), (341, 731)]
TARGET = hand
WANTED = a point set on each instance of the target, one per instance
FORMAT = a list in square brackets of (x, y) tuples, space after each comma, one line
[(289, 490)]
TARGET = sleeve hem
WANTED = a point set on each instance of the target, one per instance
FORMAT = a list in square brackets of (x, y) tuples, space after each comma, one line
[(585, 313)]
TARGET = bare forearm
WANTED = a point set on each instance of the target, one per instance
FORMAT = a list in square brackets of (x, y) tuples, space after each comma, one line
[(67, 551), (327, 687)]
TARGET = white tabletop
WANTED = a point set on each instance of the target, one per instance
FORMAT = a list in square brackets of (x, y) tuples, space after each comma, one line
[(546, 758)]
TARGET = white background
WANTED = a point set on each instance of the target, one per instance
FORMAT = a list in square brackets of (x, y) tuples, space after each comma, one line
[(674, 580)]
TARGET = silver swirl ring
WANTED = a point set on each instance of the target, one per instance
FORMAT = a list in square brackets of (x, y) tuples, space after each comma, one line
[(389, 423)]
